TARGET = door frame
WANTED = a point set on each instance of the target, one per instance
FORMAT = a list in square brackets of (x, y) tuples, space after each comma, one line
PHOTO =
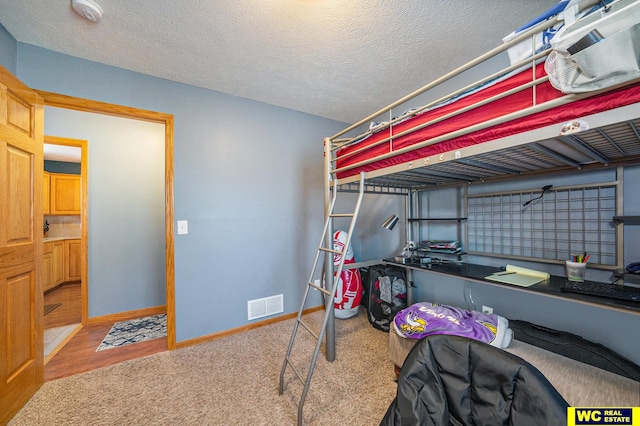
[(87, 105)]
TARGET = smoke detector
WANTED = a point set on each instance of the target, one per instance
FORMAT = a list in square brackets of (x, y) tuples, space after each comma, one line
[(88, 9)]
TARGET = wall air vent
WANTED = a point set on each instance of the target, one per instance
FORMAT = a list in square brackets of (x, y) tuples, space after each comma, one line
[(266, 306)]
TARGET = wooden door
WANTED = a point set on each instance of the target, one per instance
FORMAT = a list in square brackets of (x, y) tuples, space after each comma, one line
[(21, 251)]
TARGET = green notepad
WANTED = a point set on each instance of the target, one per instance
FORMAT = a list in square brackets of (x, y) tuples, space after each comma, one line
[(514, 278)]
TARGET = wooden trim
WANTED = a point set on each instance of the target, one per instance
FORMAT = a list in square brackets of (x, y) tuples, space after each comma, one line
[(62, 343), (232, 331), (128, 315), (169, 235), (87, 105)]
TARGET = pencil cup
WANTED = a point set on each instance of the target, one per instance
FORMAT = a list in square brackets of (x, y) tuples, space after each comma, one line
[(576, 270)]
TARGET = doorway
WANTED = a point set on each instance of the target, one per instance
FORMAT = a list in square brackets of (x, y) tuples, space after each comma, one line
[(65, 224), (167, 233)]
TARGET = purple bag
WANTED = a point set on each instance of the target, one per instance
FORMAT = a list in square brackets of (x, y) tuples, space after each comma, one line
[(423, 319)]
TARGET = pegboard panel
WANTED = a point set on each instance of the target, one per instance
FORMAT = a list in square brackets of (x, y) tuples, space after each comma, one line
[(552, 227)]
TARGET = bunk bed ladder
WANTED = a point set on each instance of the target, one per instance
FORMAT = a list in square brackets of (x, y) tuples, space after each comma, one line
[(328, 294)]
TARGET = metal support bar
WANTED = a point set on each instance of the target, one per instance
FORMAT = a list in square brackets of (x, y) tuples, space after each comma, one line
[(553, 154)]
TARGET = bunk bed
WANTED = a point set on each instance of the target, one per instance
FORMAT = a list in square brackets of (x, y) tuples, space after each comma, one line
[(536, 116), (540, 114), (514, 122), (567, 101)]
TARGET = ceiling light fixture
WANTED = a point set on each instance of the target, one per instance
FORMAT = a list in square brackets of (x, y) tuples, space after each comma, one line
[(88, 9)]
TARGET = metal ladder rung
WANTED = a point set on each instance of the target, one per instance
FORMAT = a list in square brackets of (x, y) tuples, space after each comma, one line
[(332, 251), (313, 333), (341, 215), (322, 289), (295, 370)]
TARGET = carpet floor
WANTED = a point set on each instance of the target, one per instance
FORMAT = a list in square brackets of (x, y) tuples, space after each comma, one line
[(230, 381)]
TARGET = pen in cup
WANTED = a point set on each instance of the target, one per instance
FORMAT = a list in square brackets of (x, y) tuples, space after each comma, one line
[(579, 258)]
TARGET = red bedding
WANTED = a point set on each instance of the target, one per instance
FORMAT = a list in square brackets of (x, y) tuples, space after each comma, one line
[(513, 103)]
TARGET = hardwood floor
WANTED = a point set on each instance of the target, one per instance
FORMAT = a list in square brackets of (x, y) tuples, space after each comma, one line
[(79, 354), (70, 310)]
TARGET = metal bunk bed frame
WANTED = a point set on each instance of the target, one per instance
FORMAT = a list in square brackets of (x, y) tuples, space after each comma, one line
[(613, 141), (502, 158)]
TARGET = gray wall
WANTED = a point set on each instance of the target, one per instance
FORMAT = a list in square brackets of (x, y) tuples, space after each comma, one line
[(62, 167), (8, 50), (126, 194), (248, 178), (370, 240)]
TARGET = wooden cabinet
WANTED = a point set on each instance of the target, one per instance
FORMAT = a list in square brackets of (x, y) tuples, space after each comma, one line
[(47, 269), (73, 260), (64, 194), (53, 264), (61, 193), (62, 262), (58, 262)]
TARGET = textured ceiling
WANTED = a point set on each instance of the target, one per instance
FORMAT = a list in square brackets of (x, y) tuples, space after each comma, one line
[(335, 59)]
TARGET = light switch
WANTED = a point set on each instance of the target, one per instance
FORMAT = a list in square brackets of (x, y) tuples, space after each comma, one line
[(182, 227)]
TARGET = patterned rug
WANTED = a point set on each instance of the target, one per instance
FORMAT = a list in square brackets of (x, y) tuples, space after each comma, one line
[(134, 331)]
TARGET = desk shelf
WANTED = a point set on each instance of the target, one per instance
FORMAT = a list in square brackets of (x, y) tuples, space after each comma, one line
[(442, 219), (424, 250), (628, 220)]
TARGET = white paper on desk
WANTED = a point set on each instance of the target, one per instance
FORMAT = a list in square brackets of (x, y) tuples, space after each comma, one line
[(517, 275)]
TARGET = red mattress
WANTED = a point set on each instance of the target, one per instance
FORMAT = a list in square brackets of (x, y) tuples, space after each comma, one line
[(512, 103)]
